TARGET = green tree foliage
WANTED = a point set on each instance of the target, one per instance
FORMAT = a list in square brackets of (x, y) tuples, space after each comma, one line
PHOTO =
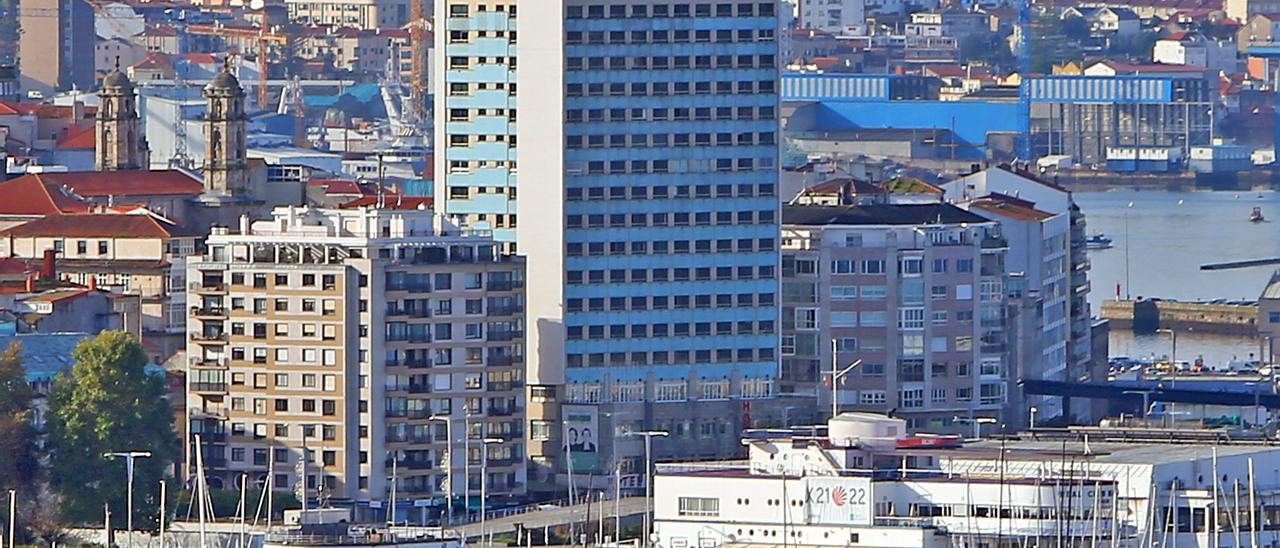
[(989, 48), (18, 464), (107, 403)]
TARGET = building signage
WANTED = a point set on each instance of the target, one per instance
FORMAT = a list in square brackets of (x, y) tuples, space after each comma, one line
[(838, 501), (582, 436)]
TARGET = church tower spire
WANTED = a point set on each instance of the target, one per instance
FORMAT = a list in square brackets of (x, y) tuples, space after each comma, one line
[(118, 141), (225, 167)]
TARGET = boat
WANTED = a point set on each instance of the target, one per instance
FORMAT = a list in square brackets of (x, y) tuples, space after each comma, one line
[(1098, 241), (1256, 215)]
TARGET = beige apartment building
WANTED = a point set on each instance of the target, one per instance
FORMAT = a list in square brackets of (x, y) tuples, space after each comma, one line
[(357, 334), (361, 14)]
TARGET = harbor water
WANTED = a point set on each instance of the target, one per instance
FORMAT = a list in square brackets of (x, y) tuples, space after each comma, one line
[(1160, 239)]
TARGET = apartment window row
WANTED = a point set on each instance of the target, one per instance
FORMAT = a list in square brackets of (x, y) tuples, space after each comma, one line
[(259, 281), (642, 220), (458, 89), (662, 114), (663, 140), (667, 36), (464, 114), (662, 330), (657, 89), (468, 139), (326, 307), (675, 357), (463, 37), (458, 62), (622, 62), (327, 408), (300, 356), (660, 302), (674, 391), (464, 10), (662, 192), (718, 9), (643, 275), (429, 332)]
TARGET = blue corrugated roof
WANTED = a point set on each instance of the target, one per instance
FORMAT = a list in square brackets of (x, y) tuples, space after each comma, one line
[(44, 355)]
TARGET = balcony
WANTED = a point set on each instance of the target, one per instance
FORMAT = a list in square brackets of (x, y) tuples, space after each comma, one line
[(418, 364), (505, 310), (417, 464), (505, 335), (504, 386), (208, 386), (208, 311), (419, 389), (502, 411), (207, 287), (504, 285), (212, 437), (220, 363), (216, 338), (498, 360)]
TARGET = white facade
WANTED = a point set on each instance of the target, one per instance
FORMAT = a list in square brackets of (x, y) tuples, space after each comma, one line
[(1197, 51), (834, 16)]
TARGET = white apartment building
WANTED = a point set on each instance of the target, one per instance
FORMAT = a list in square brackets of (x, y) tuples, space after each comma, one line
[(834, 16), (357, 335), (858, 481), (1046, 233)]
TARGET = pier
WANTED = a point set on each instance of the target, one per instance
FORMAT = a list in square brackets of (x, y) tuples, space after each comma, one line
[(1148, 315)]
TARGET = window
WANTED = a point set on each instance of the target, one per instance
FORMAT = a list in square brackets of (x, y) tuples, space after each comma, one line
[(964, 265), (912, 398), (846, 344), (872, 397), (939, 265), (938, 292), (806, 318), (844, 292), (875, 266), (844, 319), (911, 318), (873, 292), (697, 506), (874, 319), (842, 266)]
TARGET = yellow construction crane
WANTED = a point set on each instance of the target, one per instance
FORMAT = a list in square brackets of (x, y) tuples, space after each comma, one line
[(419, 44)]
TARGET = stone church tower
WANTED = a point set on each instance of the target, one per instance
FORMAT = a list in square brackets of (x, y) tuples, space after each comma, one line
[(119, 142), (225, 169)]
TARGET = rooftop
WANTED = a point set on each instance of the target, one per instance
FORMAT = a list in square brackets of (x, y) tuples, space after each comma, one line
[(45, 354), (879, 214), (102, 184), (97, 225), (32, 195)]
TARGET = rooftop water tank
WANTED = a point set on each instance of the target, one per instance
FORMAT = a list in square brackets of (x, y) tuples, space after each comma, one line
[(865, 430)]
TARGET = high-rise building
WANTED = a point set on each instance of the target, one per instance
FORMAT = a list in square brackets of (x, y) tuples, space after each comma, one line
[(648, 132), (357, 335), (475, 112), (911, 290), (1046, 236), (56, 45)]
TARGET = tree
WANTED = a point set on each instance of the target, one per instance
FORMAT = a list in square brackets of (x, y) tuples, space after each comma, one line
[(108, 402), (17, 436)]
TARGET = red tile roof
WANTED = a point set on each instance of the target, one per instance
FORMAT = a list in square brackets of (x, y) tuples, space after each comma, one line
[(91, 184), (78, 138), (6, 108), (30, 195), (96, 225), (391, 202), (1010, 209)]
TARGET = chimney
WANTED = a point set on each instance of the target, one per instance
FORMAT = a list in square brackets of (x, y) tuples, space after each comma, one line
[(93, 283), (31, 283), (49, 271)]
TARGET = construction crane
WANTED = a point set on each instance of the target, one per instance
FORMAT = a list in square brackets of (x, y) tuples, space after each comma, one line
[(262, 37), (419, 46)]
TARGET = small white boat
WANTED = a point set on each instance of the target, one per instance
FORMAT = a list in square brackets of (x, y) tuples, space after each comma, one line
[(1098, 241)]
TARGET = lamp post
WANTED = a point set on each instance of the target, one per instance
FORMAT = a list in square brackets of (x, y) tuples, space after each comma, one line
[(1126, 250), (1033, 417), (484, 481), (648, 478), (977, 423), (836, 375), (1173, 362), (128, 457), (448, 459)]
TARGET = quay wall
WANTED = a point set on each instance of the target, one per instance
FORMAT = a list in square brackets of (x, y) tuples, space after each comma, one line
[(1148, 315)]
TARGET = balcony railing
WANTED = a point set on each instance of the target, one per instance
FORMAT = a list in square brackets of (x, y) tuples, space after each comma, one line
[(419, 389), (505, 310), (197, 361), (505, 335), (209, 337), (208, 311), (501, 359), (208, 387), (207, 287)]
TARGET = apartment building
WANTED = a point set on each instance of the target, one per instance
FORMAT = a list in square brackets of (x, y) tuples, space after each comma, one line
[(648, 131), (475, 106), (914, 291), (361, 14), (834, 16), (359, 335), (1046, 235)]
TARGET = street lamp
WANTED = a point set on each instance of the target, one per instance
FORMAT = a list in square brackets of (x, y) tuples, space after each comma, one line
[(836, 375), (1033, 417), (128, 457), (648, 477), (484, 481), (977, 423), (448, 463), (1126, 251)]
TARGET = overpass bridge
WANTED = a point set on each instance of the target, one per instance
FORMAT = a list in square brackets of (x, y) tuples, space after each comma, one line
[(546, 518)]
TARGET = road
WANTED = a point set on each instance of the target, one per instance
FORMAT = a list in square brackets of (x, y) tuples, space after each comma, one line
[(539, 519)]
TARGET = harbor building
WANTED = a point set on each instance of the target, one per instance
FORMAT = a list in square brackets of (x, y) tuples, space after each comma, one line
[(1083, 116), (858, 480), (356, 335), (913, 292)]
